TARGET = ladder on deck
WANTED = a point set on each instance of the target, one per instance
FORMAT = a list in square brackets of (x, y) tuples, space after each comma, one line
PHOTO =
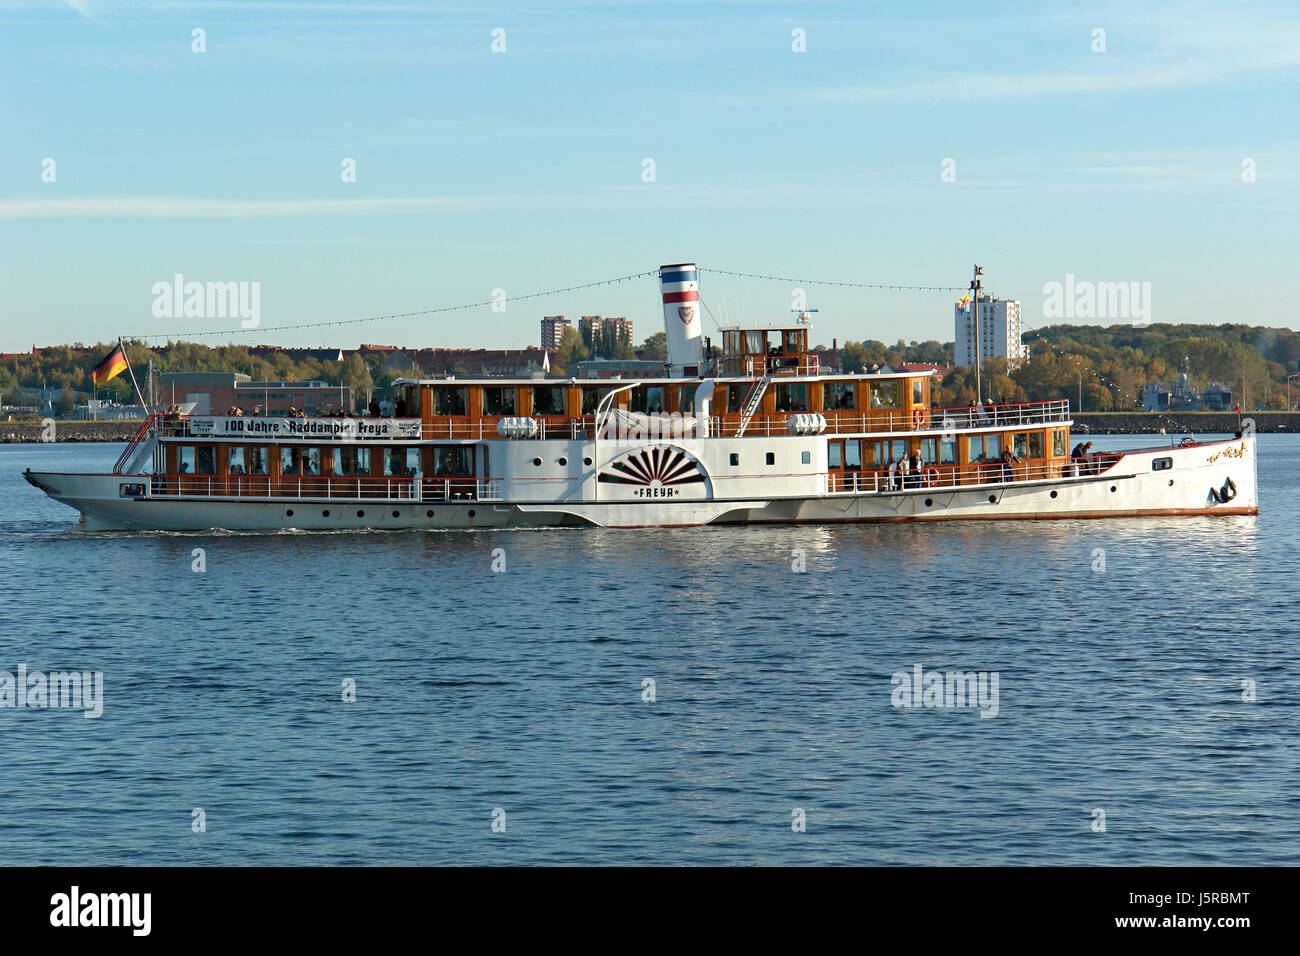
[(147, 431), (752, 401)]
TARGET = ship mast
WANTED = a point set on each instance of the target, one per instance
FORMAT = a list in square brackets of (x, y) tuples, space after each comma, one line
[(975, 285)]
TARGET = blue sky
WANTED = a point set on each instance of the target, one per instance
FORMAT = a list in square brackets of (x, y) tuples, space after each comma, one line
[(523, 170)]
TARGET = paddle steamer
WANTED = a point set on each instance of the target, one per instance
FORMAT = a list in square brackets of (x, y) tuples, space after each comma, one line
[(752, 431)]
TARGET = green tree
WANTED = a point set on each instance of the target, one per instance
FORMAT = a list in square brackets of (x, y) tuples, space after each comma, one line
[(654, 348), (571, 351)]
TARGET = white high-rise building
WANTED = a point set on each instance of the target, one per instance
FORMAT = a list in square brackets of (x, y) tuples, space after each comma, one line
[(999, 332)]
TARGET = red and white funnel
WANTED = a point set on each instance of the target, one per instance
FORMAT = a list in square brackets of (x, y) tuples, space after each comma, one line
[(680, 285)]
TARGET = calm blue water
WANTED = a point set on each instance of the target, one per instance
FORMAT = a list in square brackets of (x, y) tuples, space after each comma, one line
[(522, 690)]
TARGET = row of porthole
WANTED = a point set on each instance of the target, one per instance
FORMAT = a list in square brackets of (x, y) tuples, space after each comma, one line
[(288, 513), (562, 462), (929, 502)]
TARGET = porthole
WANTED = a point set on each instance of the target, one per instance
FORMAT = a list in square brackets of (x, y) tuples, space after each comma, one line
[(1053, 494), (771, 458), (397, 514), (1171, 482), (429, 513), (361, 514), (1113, 488), (289, 513), (537, 462), (993, 499), (471, 512), (325, 513), (929, 502), (586, 461), (563, 461)]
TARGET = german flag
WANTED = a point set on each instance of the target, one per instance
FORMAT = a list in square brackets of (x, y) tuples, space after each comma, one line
[(112, 366)]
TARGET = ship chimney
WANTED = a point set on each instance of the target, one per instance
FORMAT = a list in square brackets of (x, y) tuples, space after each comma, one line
[(680, 285)]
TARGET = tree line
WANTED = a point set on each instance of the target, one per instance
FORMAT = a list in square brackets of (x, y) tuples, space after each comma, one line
[(1097, 368)]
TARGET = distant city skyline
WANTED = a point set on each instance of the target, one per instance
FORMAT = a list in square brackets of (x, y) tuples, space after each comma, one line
[(342, 161)]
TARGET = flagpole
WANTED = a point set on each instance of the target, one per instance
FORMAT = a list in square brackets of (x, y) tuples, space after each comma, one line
[(143, 403)]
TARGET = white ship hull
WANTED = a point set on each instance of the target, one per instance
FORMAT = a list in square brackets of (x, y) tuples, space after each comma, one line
[(1192, 480)]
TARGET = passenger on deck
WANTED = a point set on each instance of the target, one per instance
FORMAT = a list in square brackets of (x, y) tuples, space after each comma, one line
[(374, 408), (1085, 466), (893, 473), (904, 468), (1008, 459), (917, 466)]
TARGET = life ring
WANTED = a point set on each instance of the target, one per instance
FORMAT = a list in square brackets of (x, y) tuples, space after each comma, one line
[(1226, 493), (918, 419), (931, 476)]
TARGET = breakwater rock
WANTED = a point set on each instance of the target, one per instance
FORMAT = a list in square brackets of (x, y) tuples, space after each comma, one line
[(69, 431), (1197, 423)]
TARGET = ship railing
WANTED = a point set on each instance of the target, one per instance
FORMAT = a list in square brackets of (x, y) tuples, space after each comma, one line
[(847, 422), (759, 366), (311, 487), (940, 477)]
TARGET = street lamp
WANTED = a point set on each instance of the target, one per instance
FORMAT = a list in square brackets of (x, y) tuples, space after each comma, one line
[(1288, 389)]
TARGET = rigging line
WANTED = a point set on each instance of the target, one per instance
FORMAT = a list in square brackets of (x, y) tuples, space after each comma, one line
[(395, 315), (845, 285)]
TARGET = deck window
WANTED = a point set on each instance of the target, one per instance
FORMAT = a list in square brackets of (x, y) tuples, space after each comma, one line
[(548, 400), (1058, 443), (1161, 464), (985, 448), (205, 462), (852, 453), (839, 395), (299, 461), (350, 462), (886, 395), (792, 398), (918, 391), (755, 342), (401, 462), (185, 460), (948, 451), (498, 401), (1027, 445), (736, 397), (929, 449), (257, 460), (453, 461), (686, 399), (448, 400), (237, 463), (591, 396), (836, 453), (648, 399)]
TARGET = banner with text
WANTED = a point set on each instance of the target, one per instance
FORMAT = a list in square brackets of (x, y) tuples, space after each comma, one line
[(304, 429)]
